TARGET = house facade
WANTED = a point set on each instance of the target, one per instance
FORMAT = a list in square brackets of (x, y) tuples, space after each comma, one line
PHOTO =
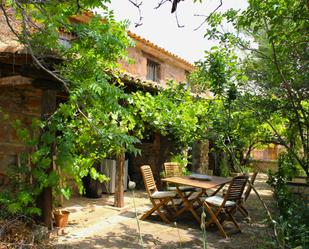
[(24, 87), (151, 62)]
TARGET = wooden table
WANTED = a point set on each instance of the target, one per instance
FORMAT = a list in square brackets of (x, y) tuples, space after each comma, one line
[(216, 181)]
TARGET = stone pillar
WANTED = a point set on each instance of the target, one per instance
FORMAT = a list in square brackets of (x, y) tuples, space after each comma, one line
[(200, 151)]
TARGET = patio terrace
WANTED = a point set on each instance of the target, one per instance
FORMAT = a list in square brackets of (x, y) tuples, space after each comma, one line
[(94, 223)]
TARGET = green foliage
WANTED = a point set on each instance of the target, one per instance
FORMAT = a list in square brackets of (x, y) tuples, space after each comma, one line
[(224, 168), (19, 197), (183, 161), (233, 127), (93, 123), (268, 85), (173, 112), (293, 218), (219, 73)]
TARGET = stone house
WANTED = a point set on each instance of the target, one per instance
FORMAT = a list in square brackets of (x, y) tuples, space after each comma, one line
[(24, 90)]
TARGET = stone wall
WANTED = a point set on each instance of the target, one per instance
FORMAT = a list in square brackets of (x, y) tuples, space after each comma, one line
[(265, 165), (153, 153), (23, 103), (268, 154)]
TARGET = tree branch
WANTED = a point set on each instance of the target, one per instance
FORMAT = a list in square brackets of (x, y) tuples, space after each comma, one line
[(138, 6), (281, 140), (208, 17), (174, 5), (25, 36), (161, 3), (7, 19), (89, 121), (178, 24)]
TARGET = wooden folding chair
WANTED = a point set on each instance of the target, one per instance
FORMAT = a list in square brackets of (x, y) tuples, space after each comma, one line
[(220, 208), (245, 195), (159, 199), (173, 169)]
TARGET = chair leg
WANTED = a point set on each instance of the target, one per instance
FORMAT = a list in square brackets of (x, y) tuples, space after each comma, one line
[(234, 221), (163, 203), (166, 207), (162, 216), (148, 213), (173, 204), (156, 207), (198, 200), (214, 219), (243, 210)]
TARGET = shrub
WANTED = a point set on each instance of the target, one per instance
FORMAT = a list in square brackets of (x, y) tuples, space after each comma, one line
[(293, 218)]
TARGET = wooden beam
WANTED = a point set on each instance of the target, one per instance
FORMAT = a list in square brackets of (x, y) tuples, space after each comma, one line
[(119, 186), (9, 69), (47, 84), (16, 80), (15, 59), (34, 72), (45, 199)]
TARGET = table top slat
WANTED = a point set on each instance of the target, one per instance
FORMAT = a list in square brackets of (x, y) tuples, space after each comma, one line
[(186, 180)]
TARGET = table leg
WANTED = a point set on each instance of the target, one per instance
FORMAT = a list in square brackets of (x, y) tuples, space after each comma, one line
[(218, 189), (188, 206)]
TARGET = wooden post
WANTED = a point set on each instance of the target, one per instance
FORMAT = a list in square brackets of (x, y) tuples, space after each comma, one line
[(45, 200), (119, 186)]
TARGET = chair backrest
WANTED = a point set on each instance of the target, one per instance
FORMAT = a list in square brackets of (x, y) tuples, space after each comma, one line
[(172, 169), (248, 190), (236, 188), (148, 178)]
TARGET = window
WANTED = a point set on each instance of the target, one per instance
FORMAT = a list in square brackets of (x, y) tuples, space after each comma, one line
[(152, 70)]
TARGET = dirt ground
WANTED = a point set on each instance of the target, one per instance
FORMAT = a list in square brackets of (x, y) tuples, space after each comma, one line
[(94, 223)]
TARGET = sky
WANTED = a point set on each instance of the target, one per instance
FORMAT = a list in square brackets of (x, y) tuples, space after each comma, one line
[(160, 26)]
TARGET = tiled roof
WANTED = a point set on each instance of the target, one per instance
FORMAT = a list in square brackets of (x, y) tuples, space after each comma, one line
[(130, 79), (8, 41), (162, 50)]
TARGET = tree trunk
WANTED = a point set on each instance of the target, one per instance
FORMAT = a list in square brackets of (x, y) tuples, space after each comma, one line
[(119, 188), (45, 200)]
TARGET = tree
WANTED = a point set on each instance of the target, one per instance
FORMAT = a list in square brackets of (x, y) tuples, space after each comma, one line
[(270, 40), (232, 128)]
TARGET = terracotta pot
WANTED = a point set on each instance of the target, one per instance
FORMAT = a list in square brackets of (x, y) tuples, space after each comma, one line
[(61, 218)]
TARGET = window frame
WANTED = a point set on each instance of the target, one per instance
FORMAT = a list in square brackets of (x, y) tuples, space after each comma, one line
[(155, 74)]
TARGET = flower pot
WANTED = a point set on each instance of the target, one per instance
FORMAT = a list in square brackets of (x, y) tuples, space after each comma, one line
[(61, 218)]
